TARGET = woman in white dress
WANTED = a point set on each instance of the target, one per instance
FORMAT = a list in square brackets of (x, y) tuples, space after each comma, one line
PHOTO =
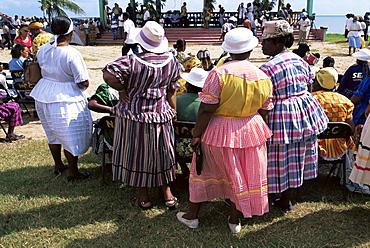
[(61, 98)]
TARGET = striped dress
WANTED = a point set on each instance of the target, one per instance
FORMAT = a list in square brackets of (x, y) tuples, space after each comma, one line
[(361, 169), (234, 142), (143, 154), (295, 121)]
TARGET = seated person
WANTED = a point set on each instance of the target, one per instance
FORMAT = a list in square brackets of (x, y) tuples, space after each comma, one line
[(175, 18), (188, 64), (187, 110), (19, 55), (328, 62), (11, 113), (205, 57), (180, 47), (355, 73), (103, 101), (338, 108), (302, 50)]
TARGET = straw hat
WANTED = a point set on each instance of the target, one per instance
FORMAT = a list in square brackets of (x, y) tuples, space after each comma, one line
[(151, 37), (34, 25), (239, 40), (196, 77), (327, 77), (363, 54), (275, 29)]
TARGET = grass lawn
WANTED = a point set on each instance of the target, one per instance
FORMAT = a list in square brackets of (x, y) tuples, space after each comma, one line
[(39, 209)]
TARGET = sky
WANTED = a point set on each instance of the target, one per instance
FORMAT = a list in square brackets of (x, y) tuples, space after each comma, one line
[(91, 7)]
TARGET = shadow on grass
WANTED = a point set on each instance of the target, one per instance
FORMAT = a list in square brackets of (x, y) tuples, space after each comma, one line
[(37, 206)]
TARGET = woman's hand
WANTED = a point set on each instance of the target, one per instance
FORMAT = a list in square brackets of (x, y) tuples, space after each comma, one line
[(195, 141), (123, 96), (83, 85), (367, 110)]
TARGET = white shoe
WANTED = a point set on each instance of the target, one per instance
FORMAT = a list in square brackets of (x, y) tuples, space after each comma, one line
[(189, 223), (235, 228)]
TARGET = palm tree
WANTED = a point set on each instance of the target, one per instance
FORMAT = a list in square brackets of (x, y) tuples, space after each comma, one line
[(53, 8), (268, 5)]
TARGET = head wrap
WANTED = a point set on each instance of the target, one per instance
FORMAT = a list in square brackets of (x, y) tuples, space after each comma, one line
[(327, 78), (35, 25), (70, 29)]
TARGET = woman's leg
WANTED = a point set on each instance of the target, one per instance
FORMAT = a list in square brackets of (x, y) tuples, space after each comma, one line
[(285, 197), (193, 211), (234, 214), (72, 163), (56, 152)]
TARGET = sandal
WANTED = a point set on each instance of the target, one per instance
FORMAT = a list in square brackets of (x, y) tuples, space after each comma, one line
[(60, 170), (144, 205), (171, 203)]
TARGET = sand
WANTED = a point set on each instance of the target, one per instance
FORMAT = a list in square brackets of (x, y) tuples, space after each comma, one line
[(97, 57)]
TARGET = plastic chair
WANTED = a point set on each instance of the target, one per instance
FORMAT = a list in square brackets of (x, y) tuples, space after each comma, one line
[(106, 124), (183, 130), (333, 131)]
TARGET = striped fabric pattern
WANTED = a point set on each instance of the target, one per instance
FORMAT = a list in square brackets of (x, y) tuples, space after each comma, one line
[(11, 113), (150, 76), (234, 148), (290, 164), (297, 115), (361, 169), (337, 108), (143, 154), (238, 174)]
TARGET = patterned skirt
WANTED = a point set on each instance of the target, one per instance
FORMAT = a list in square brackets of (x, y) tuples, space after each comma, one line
[(11, 113), (235, 173), (143, 154), (361, 169), (290, 164)]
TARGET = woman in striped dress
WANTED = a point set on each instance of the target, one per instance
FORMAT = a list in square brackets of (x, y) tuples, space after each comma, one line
[(233, 135), (296, 119), (361, 170), (143, 154)]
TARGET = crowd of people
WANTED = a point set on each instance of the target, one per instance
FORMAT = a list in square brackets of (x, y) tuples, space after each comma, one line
[(256, 127)]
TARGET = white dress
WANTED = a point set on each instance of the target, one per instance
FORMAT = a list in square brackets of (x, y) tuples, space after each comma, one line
[(61, 105)]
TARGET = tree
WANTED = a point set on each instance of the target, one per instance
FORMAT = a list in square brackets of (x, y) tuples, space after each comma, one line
[(268, 5), (53, 8)]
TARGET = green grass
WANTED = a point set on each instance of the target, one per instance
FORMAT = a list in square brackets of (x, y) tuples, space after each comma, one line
[(40, 210)]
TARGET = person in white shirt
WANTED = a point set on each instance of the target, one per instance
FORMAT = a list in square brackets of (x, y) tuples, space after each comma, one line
[(348, 22), (354, 35), (120, 26), (146, 16), (129, 34), (304, 29)]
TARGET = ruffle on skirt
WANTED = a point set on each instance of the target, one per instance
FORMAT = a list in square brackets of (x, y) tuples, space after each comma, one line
[(236, 133), (296, 119), (68, 124), (361, 169)]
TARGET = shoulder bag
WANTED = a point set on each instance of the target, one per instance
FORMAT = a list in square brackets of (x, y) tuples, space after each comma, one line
[(32, 71)]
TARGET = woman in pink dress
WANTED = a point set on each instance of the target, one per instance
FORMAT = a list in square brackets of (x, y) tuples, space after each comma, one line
[(24, 38), (231, 130)]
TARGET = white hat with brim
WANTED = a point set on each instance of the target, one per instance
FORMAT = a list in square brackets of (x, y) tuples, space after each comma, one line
[(196, 77), (363, 54), (151, 37), (239, 40)]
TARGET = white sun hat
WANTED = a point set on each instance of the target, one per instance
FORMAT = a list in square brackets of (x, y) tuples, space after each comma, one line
[(363, 54), (151, 37), (239, 40), (196, 76)]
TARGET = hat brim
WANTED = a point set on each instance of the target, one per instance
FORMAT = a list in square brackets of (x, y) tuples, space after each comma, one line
[(191, 81), (163, 47), (237, 50), (361, 56)]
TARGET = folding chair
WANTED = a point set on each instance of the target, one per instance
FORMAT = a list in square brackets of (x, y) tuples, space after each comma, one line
[(333, 131), (23, 90), (106, 125), (183, 134), (3, 128)]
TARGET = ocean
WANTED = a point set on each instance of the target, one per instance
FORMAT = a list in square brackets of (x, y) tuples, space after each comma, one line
[(335, 23)]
